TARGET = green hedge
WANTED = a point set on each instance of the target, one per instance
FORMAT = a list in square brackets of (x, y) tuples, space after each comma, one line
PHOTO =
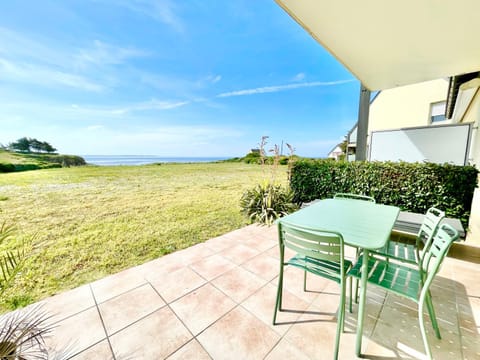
[(411, 186), (6, 167)]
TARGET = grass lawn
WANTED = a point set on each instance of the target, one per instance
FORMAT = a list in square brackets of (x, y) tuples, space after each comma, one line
[(89, 222)]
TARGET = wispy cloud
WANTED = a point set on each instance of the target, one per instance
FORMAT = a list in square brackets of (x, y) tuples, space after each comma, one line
[(278, 88), (44, 76), (42, 61), (101, 53), (299, 77), (95, 127), (150, 105), (163, 11)]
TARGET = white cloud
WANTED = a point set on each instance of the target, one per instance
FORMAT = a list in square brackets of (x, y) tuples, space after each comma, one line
[(299, 77), (101, 53), (163, 11), (43, 61), (277, 88), (95, 127), (215, 79), (44, 76)]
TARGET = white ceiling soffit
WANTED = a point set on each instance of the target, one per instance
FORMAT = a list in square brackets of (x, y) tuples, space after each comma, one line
[(393, 43)]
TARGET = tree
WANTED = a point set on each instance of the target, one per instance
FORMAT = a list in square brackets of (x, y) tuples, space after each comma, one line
[(28, 144), (36, 145), (22, 145), (47, 147)]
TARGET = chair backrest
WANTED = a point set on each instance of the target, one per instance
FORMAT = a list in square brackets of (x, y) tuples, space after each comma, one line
[(349, 196), (322, 245), (429, 226), (433, 257)]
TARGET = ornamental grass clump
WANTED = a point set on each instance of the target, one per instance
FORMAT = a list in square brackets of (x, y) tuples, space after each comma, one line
[(269, 200)]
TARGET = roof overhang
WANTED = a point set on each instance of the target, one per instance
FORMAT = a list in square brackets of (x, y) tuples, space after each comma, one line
[(393, 43)]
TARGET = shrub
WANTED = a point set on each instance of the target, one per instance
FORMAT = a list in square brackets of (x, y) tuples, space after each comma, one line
[(411, 186), (6, 167), (266, 203)]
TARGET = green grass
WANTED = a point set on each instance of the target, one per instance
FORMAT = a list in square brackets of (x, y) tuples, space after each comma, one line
[(89, 222)]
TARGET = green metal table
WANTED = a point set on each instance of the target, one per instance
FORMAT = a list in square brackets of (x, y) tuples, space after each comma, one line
[(362, 224)]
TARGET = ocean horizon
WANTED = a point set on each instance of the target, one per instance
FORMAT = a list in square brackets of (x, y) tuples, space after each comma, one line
[(113, 160)]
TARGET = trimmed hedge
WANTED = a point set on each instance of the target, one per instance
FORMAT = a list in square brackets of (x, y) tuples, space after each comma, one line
[(413, 187)]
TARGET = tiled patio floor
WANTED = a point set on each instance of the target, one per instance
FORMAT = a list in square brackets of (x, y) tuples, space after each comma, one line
[(215, 301)]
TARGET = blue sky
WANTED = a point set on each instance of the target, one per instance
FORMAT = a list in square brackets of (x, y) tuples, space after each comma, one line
[(168, 78)]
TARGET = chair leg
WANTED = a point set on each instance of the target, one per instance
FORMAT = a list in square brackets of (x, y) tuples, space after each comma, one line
[(278, 301), (305, 281), (422, 330), (350, 297), (341, 318), (356, 290), (431, 312)]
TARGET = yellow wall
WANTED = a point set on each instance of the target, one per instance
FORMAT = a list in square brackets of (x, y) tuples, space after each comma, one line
[(473, 112), (406, 106)]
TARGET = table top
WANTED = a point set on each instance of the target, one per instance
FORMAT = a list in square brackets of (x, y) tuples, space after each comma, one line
[(362, 223)]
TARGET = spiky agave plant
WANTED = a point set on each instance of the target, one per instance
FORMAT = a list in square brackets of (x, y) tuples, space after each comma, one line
[(267, 202), (21, 332)]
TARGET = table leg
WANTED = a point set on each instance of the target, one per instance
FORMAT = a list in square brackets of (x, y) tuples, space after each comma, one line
[(361, 305)]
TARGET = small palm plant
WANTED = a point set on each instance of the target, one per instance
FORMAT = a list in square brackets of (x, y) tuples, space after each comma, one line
[(21, 332)]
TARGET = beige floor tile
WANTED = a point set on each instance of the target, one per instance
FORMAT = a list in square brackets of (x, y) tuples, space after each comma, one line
[(471, 347), (129, 307), (69, 303), (117, 284), (99, 351), (285, 350), (293, 282), (154, 337), (259, 243), (177, 283), (238, 254), (221, 243), (262, 305), (160, 267), (264, 266), (314, 332), (238, 283), (192, 254), (191, 351), (75, 334), (212, 266), (248, 339), (397, 317), (202, 307)]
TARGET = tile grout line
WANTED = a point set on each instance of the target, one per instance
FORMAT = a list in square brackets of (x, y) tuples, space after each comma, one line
[(103, 323), (194, 337)]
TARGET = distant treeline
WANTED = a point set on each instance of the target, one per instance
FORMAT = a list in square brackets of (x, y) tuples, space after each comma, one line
[(27, 145)]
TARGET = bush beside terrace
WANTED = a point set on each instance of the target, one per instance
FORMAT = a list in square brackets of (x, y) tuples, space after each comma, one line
[(413, 187)]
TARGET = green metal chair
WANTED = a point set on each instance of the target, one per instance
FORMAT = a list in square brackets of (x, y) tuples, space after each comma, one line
[(408, 252), (409, 282), (320, 253), (349, 196)]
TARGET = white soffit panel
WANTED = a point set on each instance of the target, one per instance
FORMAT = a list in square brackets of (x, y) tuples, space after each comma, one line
[(393, 43)]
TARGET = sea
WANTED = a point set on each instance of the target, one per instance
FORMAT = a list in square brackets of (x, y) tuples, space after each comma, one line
[(112, 160)]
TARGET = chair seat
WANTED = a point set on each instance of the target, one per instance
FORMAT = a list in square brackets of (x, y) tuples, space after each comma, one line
[(402, 280), (398, 250), (328, 269)]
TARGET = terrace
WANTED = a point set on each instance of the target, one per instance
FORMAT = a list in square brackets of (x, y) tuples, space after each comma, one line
[(216, 300)]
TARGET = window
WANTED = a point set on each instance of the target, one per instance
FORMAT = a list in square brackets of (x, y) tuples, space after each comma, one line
[(437, 111)]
